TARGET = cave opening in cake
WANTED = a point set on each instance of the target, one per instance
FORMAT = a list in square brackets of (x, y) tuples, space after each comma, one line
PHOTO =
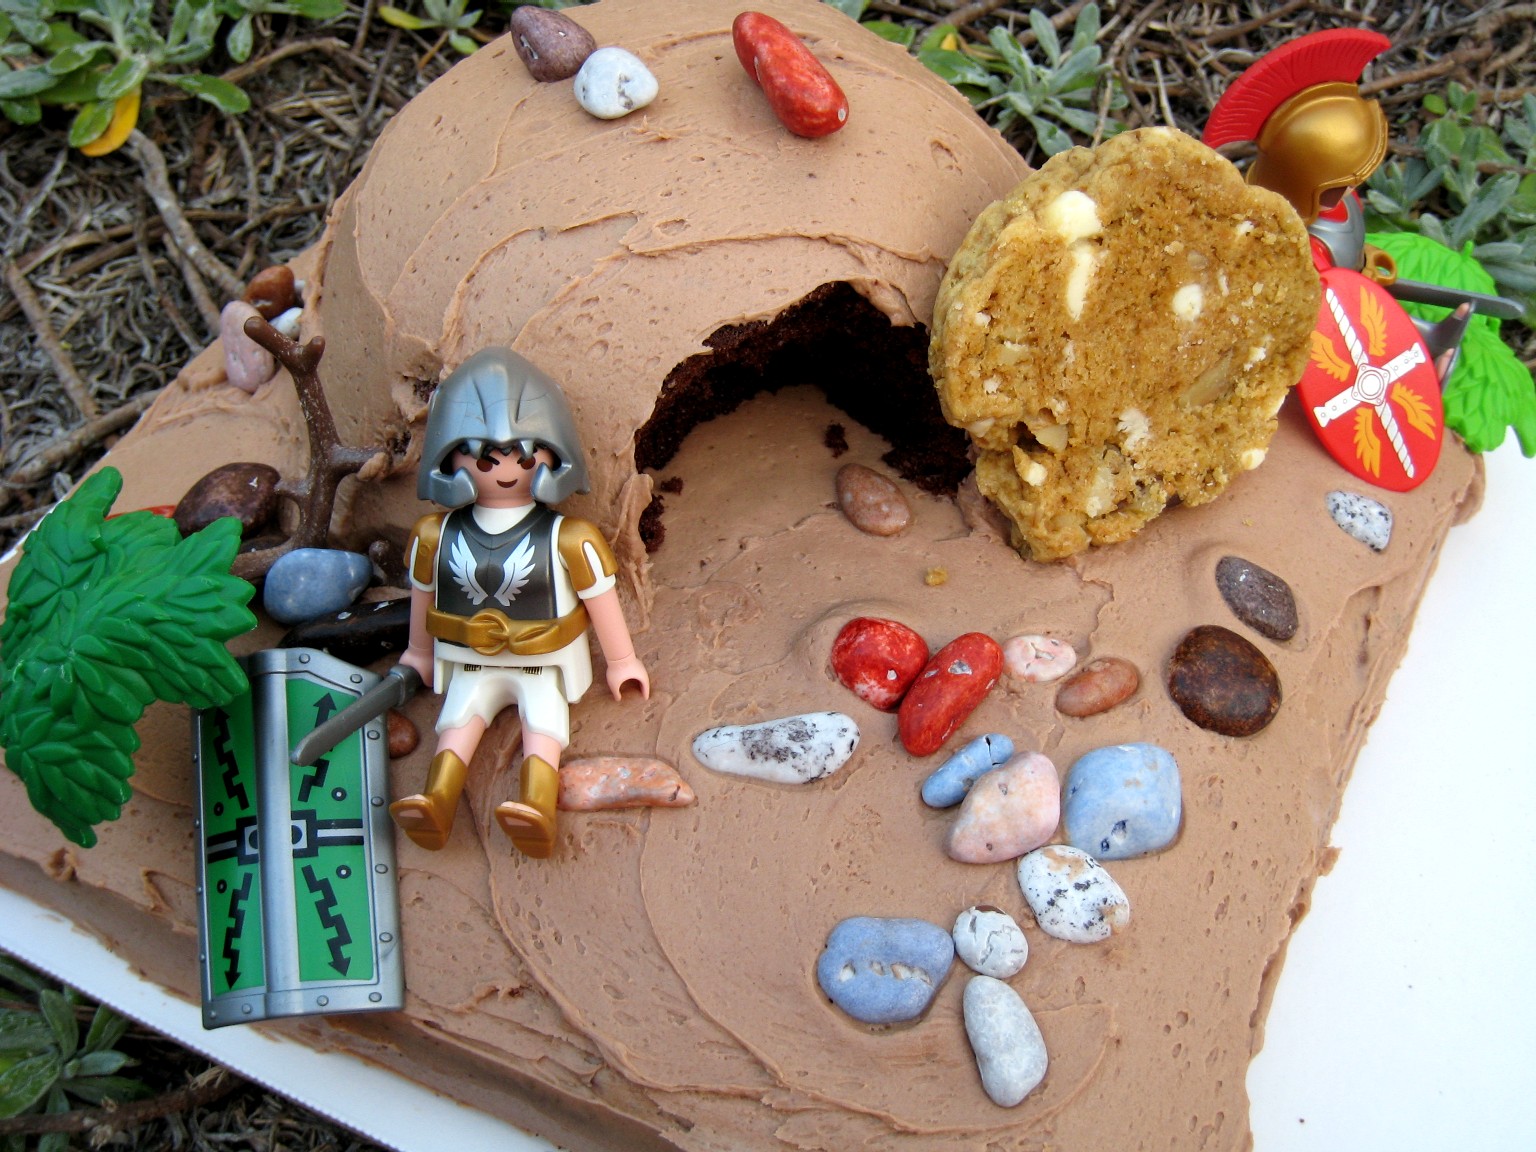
[(832, 338)]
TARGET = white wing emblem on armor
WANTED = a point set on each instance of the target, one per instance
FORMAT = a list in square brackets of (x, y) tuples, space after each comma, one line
[(518, 568), (461, 563)]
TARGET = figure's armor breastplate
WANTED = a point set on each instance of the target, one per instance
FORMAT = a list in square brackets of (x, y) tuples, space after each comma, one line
[(512, 572), (1344, 239)]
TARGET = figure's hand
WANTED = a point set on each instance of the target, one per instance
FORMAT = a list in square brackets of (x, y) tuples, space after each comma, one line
[(421, 662), (627, 670)]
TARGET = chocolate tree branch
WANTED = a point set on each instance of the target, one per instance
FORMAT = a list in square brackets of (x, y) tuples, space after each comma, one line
[(330, 461)]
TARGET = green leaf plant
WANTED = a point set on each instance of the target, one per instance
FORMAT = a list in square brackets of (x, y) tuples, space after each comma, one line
[(1490, 390), (107, 614), (1473, 186), (95, 56), (1052, 96), (46, 1065)]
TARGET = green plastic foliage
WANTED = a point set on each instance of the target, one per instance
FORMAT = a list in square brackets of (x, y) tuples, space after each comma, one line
[(106, 616), (1490, 390)]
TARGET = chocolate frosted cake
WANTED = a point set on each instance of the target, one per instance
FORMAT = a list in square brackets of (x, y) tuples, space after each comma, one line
[(714, 294)]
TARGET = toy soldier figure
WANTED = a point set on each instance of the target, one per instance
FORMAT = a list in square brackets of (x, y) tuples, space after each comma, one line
[(504, 590), (1372, 388)]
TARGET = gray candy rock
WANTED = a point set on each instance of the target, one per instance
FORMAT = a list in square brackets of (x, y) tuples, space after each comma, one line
[(1368, 521), (1257, 597), (790, 750), (1010, 1052)]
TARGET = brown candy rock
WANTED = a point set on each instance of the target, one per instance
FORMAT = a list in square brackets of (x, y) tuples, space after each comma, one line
[(245, 491), (1222, 682), (403, 734), (1098, 686), (550, 43), (872, 503), (272, 291), (948, 690)]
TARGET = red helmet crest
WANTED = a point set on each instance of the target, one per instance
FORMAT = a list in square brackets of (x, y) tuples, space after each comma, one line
[(1336, 55)]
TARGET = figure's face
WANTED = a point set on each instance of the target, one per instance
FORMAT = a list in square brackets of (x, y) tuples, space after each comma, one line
[(502, 479)]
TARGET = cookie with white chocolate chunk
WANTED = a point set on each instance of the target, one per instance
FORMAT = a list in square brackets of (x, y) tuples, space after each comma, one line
[(1119, 333)]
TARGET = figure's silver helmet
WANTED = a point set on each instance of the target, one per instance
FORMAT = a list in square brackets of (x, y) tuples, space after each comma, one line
[(497, 399)]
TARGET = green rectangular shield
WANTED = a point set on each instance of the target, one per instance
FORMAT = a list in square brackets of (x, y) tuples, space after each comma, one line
[(297, 898)]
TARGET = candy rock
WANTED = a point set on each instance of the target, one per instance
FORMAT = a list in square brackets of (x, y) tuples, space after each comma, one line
[(1010, 1051), (877, 660), (884, 971), (953, 779), (1072, 896), (1123, 801), (790, 750), (1008, 812), (948, 689), (613, 83), (990, 941)]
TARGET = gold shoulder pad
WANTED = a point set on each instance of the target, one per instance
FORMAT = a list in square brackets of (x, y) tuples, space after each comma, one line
[(424, 537), (574, 534)]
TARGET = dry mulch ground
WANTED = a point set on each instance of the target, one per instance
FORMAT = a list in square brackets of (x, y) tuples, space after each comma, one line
[(100, 306)]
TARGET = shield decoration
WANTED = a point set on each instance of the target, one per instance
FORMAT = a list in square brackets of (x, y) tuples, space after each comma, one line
[(1370, 389)]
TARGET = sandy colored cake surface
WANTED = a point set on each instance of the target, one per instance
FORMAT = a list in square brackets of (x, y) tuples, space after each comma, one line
[(652, 985), (1118, 333)]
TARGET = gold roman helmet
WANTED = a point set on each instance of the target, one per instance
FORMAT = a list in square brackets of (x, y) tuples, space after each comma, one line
[(1301, 105)]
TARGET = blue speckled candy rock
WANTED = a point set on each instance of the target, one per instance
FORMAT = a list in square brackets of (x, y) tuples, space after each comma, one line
[(1123, 801), (884, 971)]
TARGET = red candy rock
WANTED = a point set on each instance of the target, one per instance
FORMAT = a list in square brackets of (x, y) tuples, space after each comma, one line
[(877, 660), (799, 88), (948, 690)]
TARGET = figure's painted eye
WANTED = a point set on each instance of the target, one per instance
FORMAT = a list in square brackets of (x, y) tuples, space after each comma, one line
[(528, 462), (486, 464)]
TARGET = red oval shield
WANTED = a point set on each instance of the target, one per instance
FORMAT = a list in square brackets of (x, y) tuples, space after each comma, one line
[(1370, 389)]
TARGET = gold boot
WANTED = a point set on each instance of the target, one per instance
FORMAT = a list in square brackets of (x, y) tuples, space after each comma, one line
[(427, 818), (530, 820)]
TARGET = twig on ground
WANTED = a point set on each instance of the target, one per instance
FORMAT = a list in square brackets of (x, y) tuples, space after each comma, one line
[(157, 181), (212, 1085), (78, 391)]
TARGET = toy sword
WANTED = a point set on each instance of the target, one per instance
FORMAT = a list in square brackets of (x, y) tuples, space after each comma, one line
[(1416, 292), (398, 686)]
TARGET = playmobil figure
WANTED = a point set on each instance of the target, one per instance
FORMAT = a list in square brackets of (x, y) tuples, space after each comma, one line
[(1318, 139), (504, 589)]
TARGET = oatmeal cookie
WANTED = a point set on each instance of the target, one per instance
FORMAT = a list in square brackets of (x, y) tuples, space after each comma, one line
[(1119, 333)]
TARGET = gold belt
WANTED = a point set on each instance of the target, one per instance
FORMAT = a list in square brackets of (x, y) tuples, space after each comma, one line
[(491, 633)]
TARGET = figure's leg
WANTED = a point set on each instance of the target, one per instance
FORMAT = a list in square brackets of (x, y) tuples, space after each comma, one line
[(530, 819), (427, 817)]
